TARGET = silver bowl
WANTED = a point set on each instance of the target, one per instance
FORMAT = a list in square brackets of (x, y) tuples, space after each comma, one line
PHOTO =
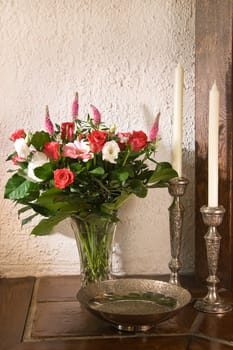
[(131, 304)]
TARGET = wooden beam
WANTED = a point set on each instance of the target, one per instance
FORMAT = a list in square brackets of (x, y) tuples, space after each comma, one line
[(214, 62)]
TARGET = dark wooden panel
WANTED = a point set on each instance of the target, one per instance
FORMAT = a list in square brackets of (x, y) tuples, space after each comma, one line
[(136, 343), (58, 288), (214, 62), (15, 297), (59, 315), (207, 344), (68, 319)]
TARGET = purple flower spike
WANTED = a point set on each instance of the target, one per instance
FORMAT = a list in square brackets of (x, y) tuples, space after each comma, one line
[(75, 107), (155, 128), (48, 123), (96, 114)]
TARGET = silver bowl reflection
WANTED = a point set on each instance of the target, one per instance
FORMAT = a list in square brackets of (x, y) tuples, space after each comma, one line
[(131, 304)]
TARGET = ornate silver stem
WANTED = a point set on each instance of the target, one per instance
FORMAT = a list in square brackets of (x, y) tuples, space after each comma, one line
[(212, 303), (176, 188)]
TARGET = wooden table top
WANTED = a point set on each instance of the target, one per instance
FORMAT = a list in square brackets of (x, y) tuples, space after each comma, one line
[(43, 314)]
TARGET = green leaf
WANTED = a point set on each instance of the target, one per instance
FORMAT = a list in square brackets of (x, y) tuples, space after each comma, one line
[(55, 199), (124, 197), (44, 172), (145, 175), (28, 219), (97, 171), (76, 167), (121, 174), (11, 156), (138, 188), (23, 209), (40, 209), (18, 187), (163, 172), (30, 197), (23, 165), (49, 202), (45, 226), (130, 170), (39, 139), (51, 192), (101, 184), (107, 207), (57, 127)]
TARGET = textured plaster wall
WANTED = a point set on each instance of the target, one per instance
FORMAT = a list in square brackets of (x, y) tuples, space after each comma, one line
[(120, 55)]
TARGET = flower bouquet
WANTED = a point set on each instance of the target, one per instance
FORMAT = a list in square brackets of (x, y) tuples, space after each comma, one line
[(84, 170)]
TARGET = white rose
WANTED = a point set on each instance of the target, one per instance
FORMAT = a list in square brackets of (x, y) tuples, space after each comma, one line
[(21, 148), (38, 159), (110, 151)]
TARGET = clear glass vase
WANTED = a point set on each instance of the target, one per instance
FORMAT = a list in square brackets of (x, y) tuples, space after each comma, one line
[(94, 240)]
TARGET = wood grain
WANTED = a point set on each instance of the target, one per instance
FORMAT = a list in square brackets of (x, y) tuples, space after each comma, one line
[(15, 297), (214, 62)]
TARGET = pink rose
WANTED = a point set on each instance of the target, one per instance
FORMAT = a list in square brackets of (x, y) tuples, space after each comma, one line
[(51, 149), (78, 149), (18, 134), (70, 151), (138, 140), (67, 131), (63, 177), (97, 140), (16, 159)]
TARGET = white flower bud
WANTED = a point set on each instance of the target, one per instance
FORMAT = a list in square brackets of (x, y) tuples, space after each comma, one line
[(38, 159), (110, 151), (21, 148)]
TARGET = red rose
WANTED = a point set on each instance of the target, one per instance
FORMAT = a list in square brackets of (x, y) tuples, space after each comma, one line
[(18, 134), (138, 140), (97, 140), (123, 138), (63, 177), (51, 149), (67, 131)]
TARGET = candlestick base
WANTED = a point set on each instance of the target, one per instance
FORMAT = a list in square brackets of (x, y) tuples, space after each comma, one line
[(212, 303), (212, 308)]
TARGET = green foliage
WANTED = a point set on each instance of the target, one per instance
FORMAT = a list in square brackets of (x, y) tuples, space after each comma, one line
[(161, 175), (45, 172), (18, 188), (97, 171), (39, 138), (46, 225), (99, 186)]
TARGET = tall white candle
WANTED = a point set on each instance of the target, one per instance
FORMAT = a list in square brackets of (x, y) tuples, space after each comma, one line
[(213, 147), (177, 134)]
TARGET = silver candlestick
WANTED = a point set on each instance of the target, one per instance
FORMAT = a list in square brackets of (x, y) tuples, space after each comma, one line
[(176, 188), (212, 303)]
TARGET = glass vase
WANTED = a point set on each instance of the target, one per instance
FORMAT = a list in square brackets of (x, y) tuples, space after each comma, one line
[(94, 241)]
